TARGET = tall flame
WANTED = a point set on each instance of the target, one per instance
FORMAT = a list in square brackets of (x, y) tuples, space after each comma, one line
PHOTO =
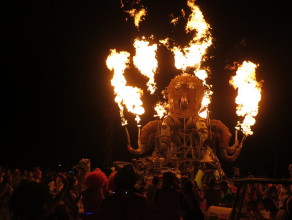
[(145, 60), (193, 54), (202, 75), (249, 95), (125, 95)]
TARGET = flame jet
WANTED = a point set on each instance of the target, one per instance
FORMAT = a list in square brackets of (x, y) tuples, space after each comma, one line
[(249, 95), (148, 66), (125, 95)]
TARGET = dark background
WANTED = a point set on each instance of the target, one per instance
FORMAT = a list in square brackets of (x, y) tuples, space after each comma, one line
[(56, 97)]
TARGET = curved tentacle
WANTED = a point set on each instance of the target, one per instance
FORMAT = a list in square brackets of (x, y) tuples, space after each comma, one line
[(222, 135), (146, 139)]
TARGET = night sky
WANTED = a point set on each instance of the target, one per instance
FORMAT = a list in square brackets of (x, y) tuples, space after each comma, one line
[(56, 96)]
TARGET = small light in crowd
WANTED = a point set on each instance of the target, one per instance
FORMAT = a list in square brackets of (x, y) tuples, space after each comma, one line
[(88, 213)]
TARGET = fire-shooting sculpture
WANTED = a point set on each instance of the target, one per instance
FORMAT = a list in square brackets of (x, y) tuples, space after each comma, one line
[(185, 138)]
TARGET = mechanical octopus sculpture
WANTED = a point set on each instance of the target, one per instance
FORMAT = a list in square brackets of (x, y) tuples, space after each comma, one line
[(182, 139)]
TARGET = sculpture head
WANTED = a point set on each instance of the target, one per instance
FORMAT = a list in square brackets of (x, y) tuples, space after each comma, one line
[(185, 93)]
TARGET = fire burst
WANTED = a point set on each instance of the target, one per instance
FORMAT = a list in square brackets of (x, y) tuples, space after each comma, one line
[(125, 95), (148, 66), (249, 95)]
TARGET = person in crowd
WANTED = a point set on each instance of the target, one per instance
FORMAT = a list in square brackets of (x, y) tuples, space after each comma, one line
[(125, 202), (37, 174), (59, 181), (272, 193), (212, 193), (16, 178), (285, 209), (226, 196), (48, 179), (29, 176), (72, 200), (151, 189), (251, 210), (267, 208), (141, 185), (283, 193), (6, 190), (168, 200), (110, 184), (94, 193), (190, 209)]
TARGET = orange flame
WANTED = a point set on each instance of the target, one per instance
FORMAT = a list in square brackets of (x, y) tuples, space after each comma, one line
[(249, 95), (160, 109), (125, 95), (202, 75), (145, 61), (174, 21), (193, 54), (137, 15)]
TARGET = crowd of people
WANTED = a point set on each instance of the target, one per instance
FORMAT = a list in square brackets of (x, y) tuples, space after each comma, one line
[(124, 194)]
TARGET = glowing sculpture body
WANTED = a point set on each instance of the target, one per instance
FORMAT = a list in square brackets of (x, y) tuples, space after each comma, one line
[(183, 139)]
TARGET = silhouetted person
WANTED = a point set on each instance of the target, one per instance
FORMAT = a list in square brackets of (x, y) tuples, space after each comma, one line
[(191, 208), (151, 189), (5, 192), (125, 203), (267, 209), (168, 200), (226, 196), (16, 178), (211, 193), (94, 193), (287, 208)]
